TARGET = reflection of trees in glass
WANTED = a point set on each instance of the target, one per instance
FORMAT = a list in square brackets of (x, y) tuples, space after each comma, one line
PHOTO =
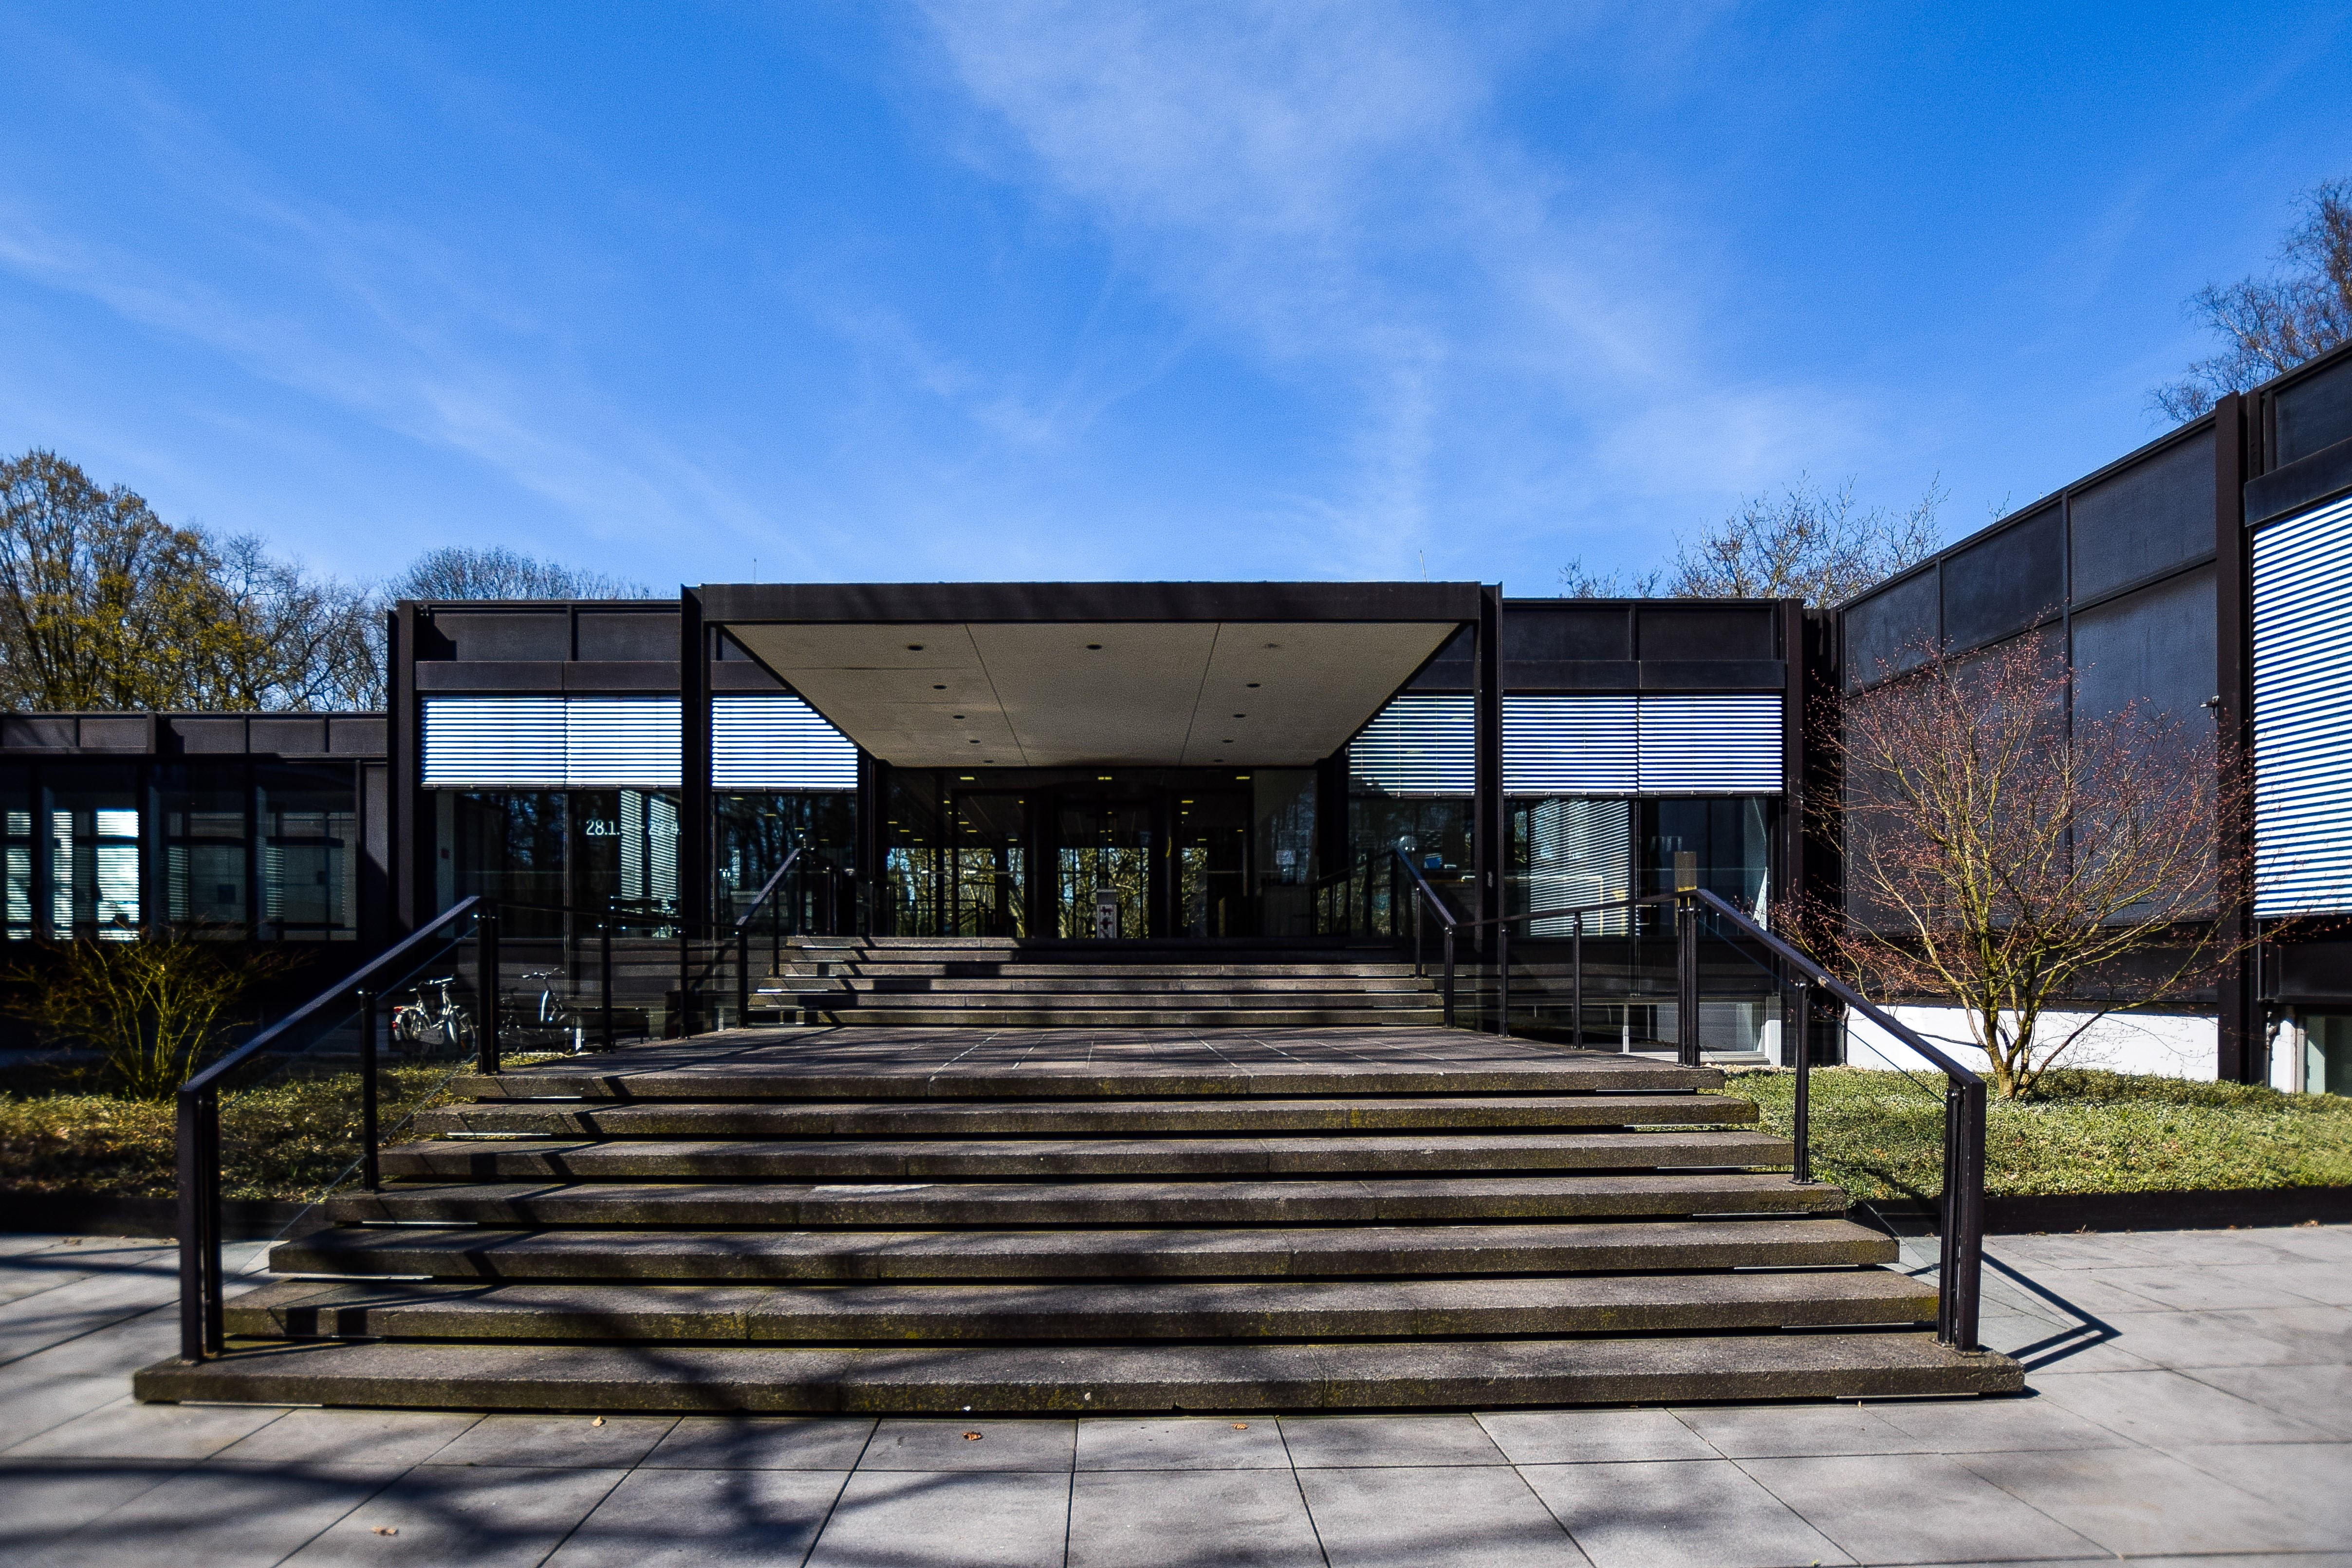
[(1124, 869)]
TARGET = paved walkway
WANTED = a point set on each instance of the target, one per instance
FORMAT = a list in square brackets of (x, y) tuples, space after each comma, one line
[(2192, 1401)]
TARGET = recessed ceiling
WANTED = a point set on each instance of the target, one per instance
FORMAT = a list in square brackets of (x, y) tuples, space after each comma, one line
[(1065, 694)]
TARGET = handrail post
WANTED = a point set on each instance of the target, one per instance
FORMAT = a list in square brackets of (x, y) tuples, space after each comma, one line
[(486, 960), (1449, 977), (1802, 1008), (1503, 977), (604, 975), (191, 1113), (1962, 1263), (742, 977), (208, 1189), (370, 1176), (1575, 980), (1687, 1045), (1420, 971)]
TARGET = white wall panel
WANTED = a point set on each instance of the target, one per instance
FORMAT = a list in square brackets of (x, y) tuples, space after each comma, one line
[(494, 743), (1420, 744), (777, 743), (1570, 746), (1720, 744), (612, 742)]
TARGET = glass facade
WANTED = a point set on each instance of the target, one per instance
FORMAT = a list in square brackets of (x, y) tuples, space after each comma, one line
[(231, 849), (541, 852)]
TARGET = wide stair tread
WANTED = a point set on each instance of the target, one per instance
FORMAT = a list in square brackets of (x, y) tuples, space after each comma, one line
[(1296, 1310), (876, 1160), (1651, 1369)]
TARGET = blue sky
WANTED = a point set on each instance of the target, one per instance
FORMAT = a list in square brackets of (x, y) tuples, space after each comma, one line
[(1036, 290)]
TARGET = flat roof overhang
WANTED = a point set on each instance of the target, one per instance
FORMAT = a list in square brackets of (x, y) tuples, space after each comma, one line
[(1051, 674)]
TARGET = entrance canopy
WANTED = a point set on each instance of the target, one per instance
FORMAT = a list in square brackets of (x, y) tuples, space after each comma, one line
[(1062, 675)]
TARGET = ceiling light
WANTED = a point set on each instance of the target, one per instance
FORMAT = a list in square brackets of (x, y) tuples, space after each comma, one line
[(1241, 715), (1093, 647), (963, 777), (939, 688), (1274, 645), (1253, 685)]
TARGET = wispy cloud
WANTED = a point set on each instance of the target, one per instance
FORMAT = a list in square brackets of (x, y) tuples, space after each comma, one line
[(1328, 186)]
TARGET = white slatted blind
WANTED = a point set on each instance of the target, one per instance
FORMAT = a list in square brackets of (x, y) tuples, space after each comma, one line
[(610, 742), (1723, 745), (550, 743), (2303, 720), (1420, 744), (1569, 745), (777, 743), (494, 743)]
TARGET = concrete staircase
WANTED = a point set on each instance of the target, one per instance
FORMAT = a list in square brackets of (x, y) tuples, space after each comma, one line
[(1012, 983), (936, 1220)]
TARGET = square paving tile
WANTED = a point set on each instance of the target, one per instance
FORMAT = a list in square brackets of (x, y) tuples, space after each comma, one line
[(2313, 1479), (443, 1515), (41, 1499), (1326, 1441), (916, 1444), (1182, 1443), (556, 1442), (2320, 1397), (763, 1443), (2167, 1409), (687, 1519), (1408, 1518), (1914, 1508), (1677, 1513), (131, 1431), (2138, 1502), (1993, 1425), (1193, 1518), (401, 1437), (2187, 1287), (219, 1518), (1742, 1431), (912, 1518), (1584, 1437)]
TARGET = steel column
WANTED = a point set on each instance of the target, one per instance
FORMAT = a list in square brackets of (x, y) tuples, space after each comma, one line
[(486, 962), (370, 1176)]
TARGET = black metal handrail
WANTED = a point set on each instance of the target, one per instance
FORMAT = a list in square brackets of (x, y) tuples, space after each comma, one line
[(198, 1109), (743, 939), (1960, 1273)]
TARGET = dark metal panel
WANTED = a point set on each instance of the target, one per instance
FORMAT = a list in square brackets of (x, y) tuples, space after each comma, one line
[(357, 735), (2317, 477), (646, 675), (823, 604), (2310, 972), (2006, 582), (1565, 630), (1711, 632), (1712, 675), (505, 635), (304, 736), (376, 850), (130, 732), (38, 732), (1569, 676), (1490, 846), (631, 637), (2143, 519), (411, 852), (2312, 411), (2154, 647), (515, 676), (207, 736), (1882, 629)]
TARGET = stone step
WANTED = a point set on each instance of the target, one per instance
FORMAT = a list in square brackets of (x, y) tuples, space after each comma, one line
[(1032, 1016), (1068, 1380), (1091, 1203), (1033, 1159), (1164, 1310), (950, 1159), (1042, 1118), (1270, 1252), (890, 995), (798, 1065)]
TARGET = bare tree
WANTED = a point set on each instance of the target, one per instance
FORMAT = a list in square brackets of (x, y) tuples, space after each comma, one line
[(1806, 543), (2013, 863), (2275, 323), (104, 605), (494, 571)]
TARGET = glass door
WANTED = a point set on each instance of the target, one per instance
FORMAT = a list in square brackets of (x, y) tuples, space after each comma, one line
[(988, 863), (1210, 843), (1103, 873)]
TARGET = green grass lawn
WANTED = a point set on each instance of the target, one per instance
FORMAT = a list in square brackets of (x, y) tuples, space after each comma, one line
[(1880, 1135)]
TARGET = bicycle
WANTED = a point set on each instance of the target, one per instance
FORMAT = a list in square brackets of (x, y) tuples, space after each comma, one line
[(431, 1018), (542, 1012)]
